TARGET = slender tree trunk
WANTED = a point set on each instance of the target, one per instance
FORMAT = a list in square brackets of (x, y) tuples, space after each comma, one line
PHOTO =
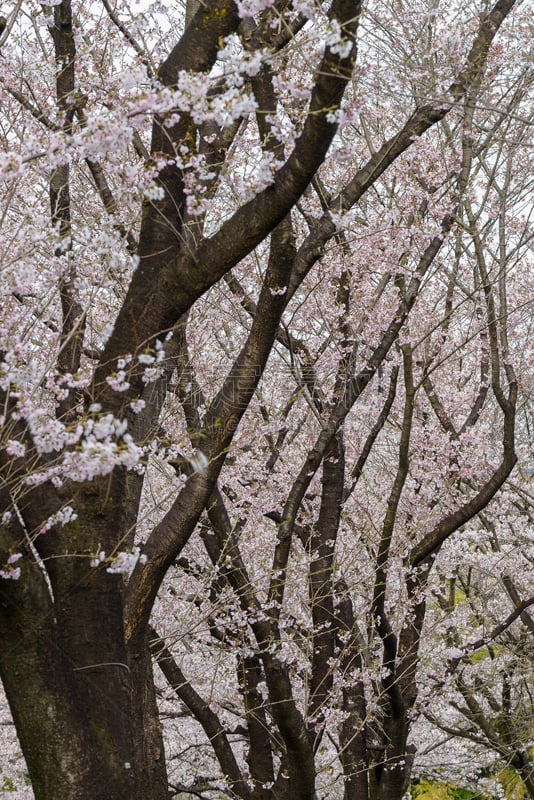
[(148, 745)]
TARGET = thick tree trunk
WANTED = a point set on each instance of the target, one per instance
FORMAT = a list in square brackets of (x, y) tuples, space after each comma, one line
[(88, 732), (84, 710), (70, 722), (40, 687)]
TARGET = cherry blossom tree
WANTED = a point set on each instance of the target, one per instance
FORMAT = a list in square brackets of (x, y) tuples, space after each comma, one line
[(265, 373), (483, 690)]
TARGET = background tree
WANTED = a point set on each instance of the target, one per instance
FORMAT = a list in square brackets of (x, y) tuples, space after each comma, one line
[(265, 343)]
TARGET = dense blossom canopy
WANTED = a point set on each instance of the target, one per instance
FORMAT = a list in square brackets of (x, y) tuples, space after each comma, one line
[(266, 376)]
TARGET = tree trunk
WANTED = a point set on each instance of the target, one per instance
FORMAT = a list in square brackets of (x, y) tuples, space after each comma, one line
[(88, 732), (73, 750), (85, 712)]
